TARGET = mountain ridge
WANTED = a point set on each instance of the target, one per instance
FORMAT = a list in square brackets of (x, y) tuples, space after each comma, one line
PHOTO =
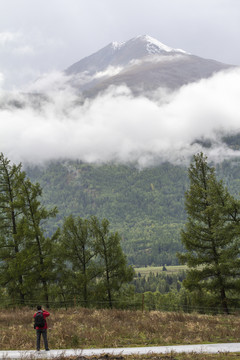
[(143, 64), (117, 54)]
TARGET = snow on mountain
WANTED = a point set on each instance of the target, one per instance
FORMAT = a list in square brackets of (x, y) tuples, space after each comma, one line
[(141, 63), (121, 54), (153, 46), (116, 45), (156, 47)]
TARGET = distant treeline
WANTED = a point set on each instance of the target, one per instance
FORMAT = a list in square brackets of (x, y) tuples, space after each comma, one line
[(145, 206), (161, 282)]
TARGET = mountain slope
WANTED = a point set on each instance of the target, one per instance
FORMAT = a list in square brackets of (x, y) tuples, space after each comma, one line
[(143, 64), (146, 207), (121, 54)]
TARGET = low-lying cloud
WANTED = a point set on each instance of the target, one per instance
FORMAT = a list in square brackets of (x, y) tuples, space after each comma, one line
[(116, 126)]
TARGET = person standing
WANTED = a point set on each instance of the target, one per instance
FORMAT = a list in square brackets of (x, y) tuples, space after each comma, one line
[(40, 325)]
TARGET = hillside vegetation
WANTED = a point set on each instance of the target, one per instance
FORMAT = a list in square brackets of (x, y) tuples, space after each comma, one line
[(145, 206)]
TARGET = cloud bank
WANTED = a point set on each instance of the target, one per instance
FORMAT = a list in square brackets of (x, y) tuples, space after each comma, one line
[(116, 126)]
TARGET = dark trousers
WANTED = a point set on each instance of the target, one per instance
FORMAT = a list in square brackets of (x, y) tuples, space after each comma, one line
[(44, 334)]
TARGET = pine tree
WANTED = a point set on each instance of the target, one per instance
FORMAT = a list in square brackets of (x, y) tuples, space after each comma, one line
[(40, 246), (26, 255), (13, 255), (112, 260), (211, 236), (77, 257)]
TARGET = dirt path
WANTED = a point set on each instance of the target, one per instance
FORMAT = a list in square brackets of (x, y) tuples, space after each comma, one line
[(79, 353)]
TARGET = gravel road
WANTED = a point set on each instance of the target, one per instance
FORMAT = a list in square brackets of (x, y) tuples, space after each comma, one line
[(205, 348)]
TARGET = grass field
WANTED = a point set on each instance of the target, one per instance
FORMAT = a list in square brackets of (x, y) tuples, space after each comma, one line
[(92, 328), (159, 269)]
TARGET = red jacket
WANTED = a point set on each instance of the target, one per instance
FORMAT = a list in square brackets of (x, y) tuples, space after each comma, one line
[(45, 314)]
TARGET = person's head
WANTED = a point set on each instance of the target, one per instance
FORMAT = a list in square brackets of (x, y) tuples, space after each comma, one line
[(39, 307)]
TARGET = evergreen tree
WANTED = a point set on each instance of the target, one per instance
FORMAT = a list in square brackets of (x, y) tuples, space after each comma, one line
[(211, 236), (77, 257), (13, 254), (25, 254), (111, 259), (40, 246)]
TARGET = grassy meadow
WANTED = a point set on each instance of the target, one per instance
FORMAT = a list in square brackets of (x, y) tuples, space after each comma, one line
[(172, 269), (91, 328)]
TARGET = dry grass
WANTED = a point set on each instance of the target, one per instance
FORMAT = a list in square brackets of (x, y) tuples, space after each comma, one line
[(90, 328), (192, 356)]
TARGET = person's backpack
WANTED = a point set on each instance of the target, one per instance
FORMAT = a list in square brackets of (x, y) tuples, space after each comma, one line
[(39, 320)]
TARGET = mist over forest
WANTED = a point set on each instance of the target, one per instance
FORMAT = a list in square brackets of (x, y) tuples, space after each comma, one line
[(51, 120)]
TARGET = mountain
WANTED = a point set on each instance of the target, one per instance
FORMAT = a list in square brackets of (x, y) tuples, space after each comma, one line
[(143, 64), (121, 54), (145, 206)]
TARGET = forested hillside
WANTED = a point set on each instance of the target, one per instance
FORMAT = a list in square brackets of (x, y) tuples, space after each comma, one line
[(145, 206)]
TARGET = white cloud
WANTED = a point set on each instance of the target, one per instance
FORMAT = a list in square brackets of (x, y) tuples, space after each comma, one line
[(110, 71), (1, 80), (24, 50), (50, 82), (9, 37), (25, 55), (116, 126)]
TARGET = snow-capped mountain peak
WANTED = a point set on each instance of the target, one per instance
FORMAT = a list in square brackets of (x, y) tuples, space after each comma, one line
[(152, 46), (156, 47), (120, 54), (143, 64)]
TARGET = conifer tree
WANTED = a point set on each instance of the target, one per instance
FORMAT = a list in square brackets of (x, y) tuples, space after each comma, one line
[(25, 253), (211, 236), (13, 257), (112, 261), (40, 246), (77, 257)]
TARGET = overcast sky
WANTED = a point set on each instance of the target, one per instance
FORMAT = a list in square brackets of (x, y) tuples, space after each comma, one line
[(42, 36), (39, 39)]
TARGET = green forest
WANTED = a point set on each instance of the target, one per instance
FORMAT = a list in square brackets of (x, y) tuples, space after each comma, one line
[(145, 206), (81, 260), (73, 233)]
